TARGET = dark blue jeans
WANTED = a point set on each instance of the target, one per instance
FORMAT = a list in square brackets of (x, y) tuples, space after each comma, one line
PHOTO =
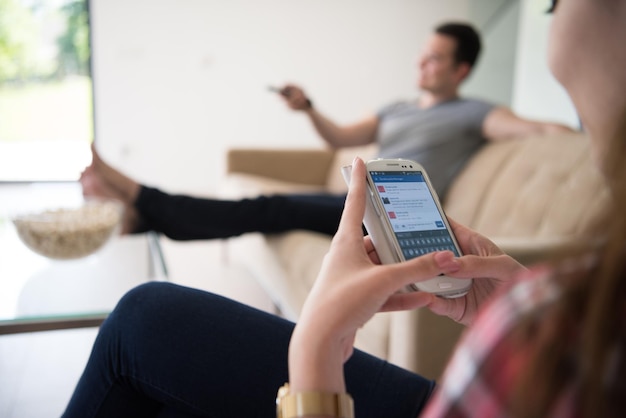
[(172, 351), (187, 218)]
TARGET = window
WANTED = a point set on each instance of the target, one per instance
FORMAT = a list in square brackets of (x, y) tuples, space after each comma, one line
[(46, 105)]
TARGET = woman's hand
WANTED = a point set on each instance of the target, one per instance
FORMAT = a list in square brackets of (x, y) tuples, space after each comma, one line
[(352, 286), (349, 290), (484, 262)]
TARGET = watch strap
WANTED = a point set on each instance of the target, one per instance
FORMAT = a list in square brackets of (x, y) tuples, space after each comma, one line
[(301, 404)]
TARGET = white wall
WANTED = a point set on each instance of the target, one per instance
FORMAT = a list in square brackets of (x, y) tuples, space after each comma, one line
[(536, 93), (179, 81), (492, 79)]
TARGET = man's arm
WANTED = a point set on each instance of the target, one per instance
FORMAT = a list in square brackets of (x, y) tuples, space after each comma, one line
[(501, 123), (360, 133)]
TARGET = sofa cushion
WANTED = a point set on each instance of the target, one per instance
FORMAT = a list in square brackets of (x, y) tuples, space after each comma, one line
[(538, 187)]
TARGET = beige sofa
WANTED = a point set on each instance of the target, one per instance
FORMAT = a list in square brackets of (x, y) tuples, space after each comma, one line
[(533, 196)]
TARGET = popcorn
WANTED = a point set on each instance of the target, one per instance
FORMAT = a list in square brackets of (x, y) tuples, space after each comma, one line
[(69, 233)]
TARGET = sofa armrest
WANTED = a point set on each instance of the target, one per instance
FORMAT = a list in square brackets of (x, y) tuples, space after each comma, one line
[(306, 166)]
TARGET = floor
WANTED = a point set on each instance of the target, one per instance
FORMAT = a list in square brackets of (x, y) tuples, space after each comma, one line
[(38, 371)]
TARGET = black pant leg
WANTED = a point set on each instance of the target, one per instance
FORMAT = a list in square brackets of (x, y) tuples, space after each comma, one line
[(168, 350), (188, 218)]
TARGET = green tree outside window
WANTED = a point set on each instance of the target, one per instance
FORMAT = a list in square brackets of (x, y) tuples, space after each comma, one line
[(45, 87)]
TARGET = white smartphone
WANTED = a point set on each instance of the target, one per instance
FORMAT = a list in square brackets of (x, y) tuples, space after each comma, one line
[(404, 219)]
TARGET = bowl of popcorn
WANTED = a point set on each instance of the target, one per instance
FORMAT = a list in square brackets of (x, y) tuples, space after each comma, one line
[(70, 233)]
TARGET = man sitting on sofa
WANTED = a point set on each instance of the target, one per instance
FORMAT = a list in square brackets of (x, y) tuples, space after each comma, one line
[(440, 130)]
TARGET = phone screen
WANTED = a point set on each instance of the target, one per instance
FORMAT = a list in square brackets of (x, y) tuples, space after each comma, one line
[(410, 207)]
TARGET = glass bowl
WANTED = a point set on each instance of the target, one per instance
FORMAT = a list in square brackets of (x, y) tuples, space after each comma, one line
[(70, 233)]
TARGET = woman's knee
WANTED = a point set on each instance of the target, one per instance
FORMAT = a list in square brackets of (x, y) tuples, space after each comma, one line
[(143, 304)]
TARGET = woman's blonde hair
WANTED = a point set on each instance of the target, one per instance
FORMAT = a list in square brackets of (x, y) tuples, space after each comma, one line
[(579, 342)]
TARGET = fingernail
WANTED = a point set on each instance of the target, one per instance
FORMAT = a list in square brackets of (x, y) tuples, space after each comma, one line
[(447, 262)]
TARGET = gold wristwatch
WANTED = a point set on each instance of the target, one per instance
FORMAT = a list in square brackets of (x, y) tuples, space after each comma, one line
[(302, 404)]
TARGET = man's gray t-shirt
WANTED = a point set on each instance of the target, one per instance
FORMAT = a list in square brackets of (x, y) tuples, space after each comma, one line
[(442, 138)]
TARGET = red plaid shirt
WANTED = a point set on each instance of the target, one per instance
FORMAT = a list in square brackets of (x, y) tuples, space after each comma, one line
[(483, 369)]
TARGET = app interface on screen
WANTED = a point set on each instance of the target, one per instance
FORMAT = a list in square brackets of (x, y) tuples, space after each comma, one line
[(411, 209)]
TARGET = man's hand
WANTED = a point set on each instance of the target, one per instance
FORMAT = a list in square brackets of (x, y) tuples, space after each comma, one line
[(295, 97)]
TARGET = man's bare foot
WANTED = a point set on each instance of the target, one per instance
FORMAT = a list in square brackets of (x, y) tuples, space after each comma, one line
[(94, 186), (127, 188), (99, 180)]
